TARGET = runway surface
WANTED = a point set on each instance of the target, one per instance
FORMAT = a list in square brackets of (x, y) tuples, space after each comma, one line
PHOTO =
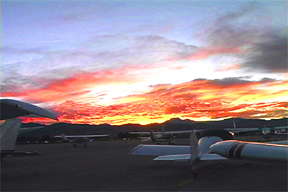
[(107, 166)]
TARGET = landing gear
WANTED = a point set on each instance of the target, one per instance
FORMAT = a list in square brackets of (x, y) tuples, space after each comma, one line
[(195, 167), (194, 175), (194, 172), (171, 142), (246, 163)]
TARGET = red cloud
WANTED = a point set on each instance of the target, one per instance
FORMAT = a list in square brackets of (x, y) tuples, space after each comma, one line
[(70, 88), (208, 99), (196, 100)]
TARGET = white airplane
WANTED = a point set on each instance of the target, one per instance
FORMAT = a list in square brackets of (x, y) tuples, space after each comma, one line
[(196, 152), (266, 130), (252, 151), (10, 110), (79, 139), (214, 148), (164, 136)]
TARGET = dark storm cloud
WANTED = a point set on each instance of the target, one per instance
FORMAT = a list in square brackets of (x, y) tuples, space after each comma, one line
[(265, 47), (237, 81), (269, 56), (235, 28), (230, 81)]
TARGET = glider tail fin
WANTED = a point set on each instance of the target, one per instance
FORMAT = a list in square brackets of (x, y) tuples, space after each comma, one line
[(234, 125), (64, 138), (163, 130), (152, 135), (194, 148)]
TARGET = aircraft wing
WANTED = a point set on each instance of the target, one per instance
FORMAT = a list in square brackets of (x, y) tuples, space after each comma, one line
[(19, 153), (211, 156), (28, 129), (279, 142), (158, 150), (180, 132), (143, 133), (86, 136), (182, 157), (241, 130), (13, 108), (234, 130), (145, 138), (187, 157), (165, 132)]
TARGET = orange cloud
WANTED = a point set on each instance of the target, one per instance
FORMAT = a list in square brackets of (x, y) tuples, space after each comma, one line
[(197, 100), (72, 88)]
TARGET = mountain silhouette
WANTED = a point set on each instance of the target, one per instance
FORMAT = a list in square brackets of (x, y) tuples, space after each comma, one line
[(174, 124)]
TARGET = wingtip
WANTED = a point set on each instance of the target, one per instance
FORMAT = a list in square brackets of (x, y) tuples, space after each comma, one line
[(13, 108)]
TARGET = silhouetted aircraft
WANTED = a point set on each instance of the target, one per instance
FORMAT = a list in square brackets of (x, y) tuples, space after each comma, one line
[(79, 139), (10, 110)]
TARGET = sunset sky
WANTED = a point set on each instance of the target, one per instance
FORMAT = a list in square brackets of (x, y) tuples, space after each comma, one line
[(145, 61)]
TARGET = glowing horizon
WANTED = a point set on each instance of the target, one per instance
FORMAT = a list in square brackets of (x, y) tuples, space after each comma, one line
[(92, 67)]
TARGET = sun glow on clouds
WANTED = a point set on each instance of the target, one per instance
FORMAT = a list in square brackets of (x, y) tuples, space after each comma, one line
[(126, 74), (197, 100), (156, 92)]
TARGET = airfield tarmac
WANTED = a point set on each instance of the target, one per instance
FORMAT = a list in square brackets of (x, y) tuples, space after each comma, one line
[(107, 166)]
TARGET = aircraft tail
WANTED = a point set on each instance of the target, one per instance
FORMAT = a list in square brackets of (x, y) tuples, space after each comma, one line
[(266, 131), (64, 138), (153, 138), (234, 125), (9, 133), (194, 148)]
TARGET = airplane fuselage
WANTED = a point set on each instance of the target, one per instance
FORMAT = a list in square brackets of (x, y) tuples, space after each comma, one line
[(251, 151), (163, 138)]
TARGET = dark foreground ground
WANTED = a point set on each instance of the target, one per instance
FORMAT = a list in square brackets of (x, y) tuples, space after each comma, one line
[(107, 166)]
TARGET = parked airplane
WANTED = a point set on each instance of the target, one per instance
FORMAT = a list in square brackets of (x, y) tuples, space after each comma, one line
[(196, 152), (79, 139), (164, 136), (256, 151), (264, 130), (171, 134), (212, 147), (10, 110)]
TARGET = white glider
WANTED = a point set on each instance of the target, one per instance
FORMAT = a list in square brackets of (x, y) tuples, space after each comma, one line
[(252, 151), (214, 148)]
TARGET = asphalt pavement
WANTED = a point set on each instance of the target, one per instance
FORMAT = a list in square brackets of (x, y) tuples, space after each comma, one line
[(108, 166)]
